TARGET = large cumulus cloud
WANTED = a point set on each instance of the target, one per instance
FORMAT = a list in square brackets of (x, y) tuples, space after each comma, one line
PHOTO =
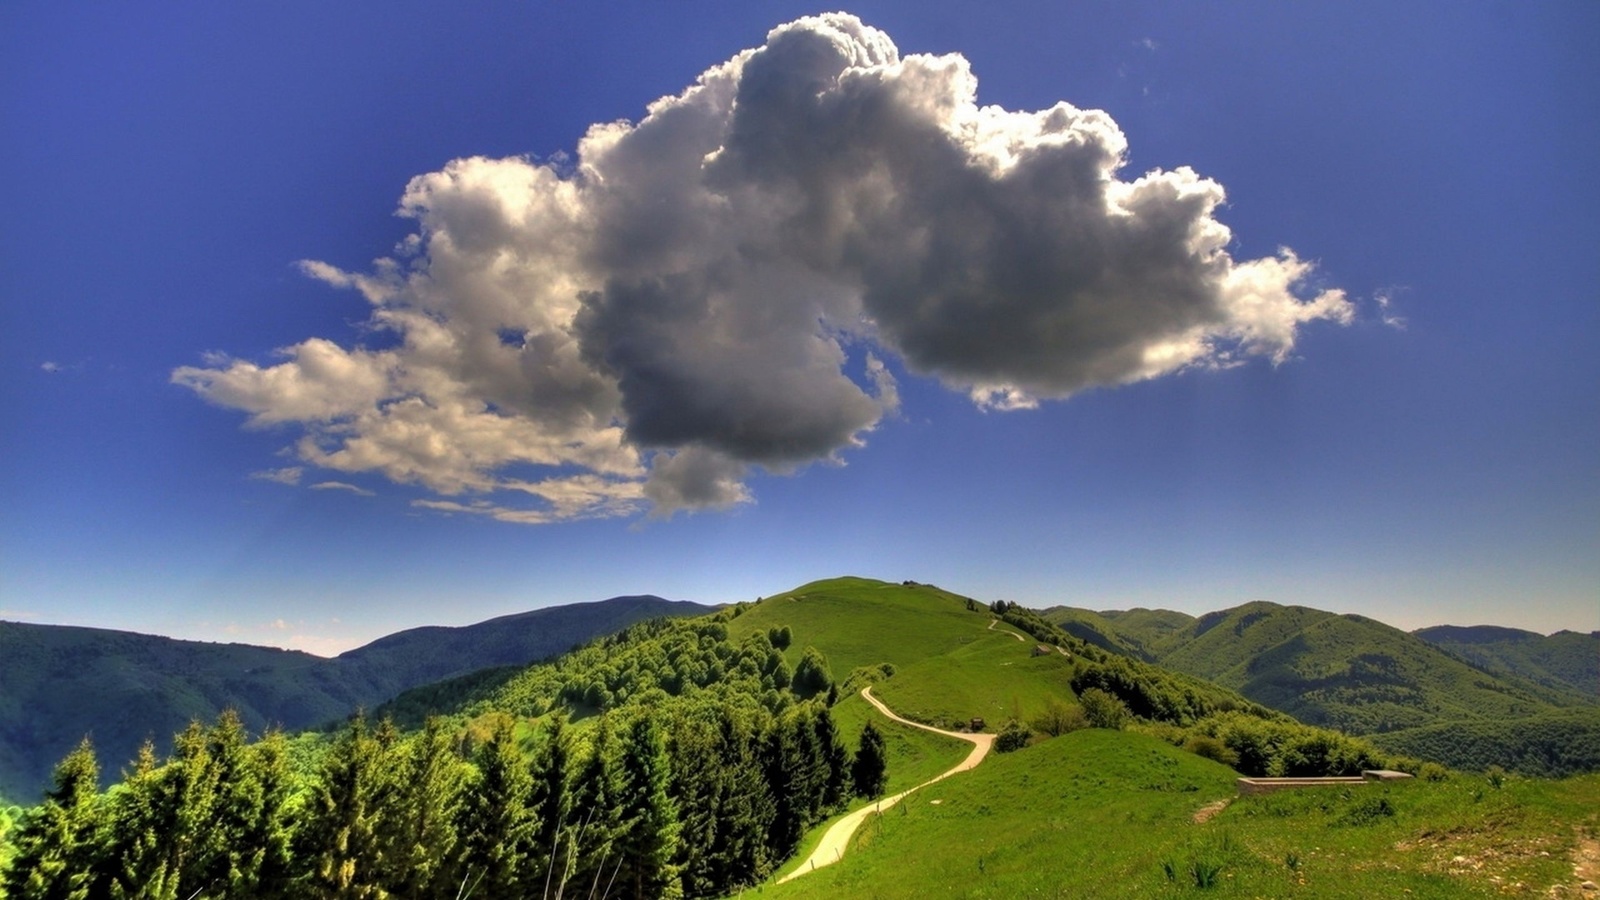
[(714, 288)]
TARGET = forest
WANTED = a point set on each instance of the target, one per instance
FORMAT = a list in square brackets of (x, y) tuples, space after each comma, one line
[(695, 771)]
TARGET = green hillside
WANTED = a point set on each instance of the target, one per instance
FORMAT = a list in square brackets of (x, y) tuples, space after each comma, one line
[(1363, 677), (1101, 813), (62, 683), (707, 755), (1565, 660)]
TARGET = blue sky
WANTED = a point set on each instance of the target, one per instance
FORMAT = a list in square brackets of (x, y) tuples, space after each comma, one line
[(207, 430)]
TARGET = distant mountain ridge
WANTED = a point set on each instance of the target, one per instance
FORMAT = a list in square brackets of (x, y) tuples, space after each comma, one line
[(58, 682), (1473, 697)]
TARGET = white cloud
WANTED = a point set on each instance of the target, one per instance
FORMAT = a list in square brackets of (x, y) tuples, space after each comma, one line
[(51, 367), (341, 486), (1386, 309), (286, 475), (680, 304)]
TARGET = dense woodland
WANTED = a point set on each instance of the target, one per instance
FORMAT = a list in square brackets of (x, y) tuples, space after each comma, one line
[(698, 767)]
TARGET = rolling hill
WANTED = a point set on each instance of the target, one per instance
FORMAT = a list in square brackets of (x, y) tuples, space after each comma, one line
[(1363, 677), (1564, 660), (728, 703), (62, 682)]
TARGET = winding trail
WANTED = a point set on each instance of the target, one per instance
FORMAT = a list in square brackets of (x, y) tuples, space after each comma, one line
[(992, 624), (837, 837)]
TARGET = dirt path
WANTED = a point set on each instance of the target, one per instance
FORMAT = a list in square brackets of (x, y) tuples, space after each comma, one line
[(837, 837), (992, 624)]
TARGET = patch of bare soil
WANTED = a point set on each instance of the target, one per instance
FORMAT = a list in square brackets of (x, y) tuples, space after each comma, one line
[(1205, 813), (1585, 869)]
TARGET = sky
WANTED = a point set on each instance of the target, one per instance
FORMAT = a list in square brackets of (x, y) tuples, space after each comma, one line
[(320, 321)]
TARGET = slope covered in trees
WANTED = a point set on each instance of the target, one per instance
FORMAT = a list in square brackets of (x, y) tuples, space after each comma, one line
[(64, 682), (1564, 660)]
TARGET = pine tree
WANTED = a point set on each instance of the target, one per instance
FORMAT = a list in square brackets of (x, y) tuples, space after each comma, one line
[(869, 771), (135, 863), (835, 759), (699, 783), (497, 825), (266, 839), (57, 842), (552, 804), (338, 848), (596, 817), (418, 835), (745, 804), (649, 840)]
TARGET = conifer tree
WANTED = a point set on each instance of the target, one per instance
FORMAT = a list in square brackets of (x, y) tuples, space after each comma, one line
[(649, 840), (745, 804), (597, 816), (497, 825), (57, 842), (266, 839), (552, 803), (835, 760), (418, 833), (337, 848), (869, 769), (164, 823)]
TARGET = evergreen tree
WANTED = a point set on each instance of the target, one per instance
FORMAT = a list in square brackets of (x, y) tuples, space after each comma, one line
[(552, 802), (338, 849), (698, 785), (869, 771), (836, 761), (746, 808), (168, 837), (497, 825), (266, 839), (649, 839), (418, 830), (597, 817), (57, 842)]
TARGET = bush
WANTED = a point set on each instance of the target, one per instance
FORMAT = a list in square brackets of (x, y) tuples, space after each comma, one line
[(1013, 737), (1059, 718), (1212, 749), (1103, 710)]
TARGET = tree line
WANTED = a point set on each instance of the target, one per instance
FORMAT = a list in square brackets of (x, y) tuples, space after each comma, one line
[(678, 786)]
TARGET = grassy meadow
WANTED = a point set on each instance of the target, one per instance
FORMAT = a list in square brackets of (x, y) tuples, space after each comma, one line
[(1098, 813)]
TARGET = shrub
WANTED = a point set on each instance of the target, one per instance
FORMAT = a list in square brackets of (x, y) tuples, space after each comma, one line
[(1059, 718), (1013, 737), (1102, 709), (1212, 749)]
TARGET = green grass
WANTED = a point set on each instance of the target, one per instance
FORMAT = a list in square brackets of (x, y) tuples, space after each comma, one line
[(1110, 814), (990, 675), (859, 622)]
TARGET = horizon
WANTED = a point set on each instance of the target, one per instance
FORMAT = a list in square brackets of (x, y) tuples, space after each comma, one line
[(414, 627), (321, 325)]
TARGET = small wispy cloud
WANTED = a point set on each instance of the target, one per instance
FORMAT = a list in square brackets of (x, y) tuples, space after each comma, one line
[(341, 486), (287, 475), (50, 366), (1148, 44), (1386, 309)]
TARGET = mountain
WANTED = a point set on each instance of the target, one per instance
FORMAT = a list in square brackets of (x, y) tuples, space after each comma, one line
[(1566, 659), (62, 682), (1516, 692)]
